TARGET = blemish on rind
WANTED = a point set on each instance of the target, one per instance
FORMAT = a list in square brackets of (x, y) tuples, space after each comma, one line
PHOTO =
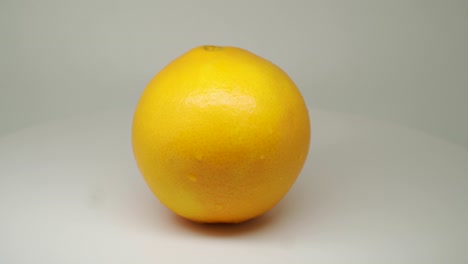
[(212, 48), (192, 177)]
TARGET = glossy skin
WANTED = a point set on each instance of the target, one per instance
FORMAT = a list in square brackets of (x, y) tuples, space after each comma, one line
[(220, 135)]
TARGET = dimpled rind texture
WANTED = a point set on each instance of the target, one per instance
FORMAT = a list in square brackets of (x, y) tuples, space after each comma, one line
[(220, 135)]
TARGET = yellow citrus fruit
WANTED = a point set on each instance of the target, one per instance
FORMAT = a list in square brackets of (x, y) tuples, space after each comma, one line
[(220, 135)]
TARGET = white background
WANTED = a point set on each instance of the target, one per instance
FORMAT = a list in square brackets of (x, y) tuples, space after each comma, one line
[(400, 61), (370, 192)]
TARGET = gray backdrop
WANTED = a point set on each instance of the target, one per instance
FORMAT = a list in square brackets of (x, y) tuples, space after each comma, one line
[(400, 61)]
